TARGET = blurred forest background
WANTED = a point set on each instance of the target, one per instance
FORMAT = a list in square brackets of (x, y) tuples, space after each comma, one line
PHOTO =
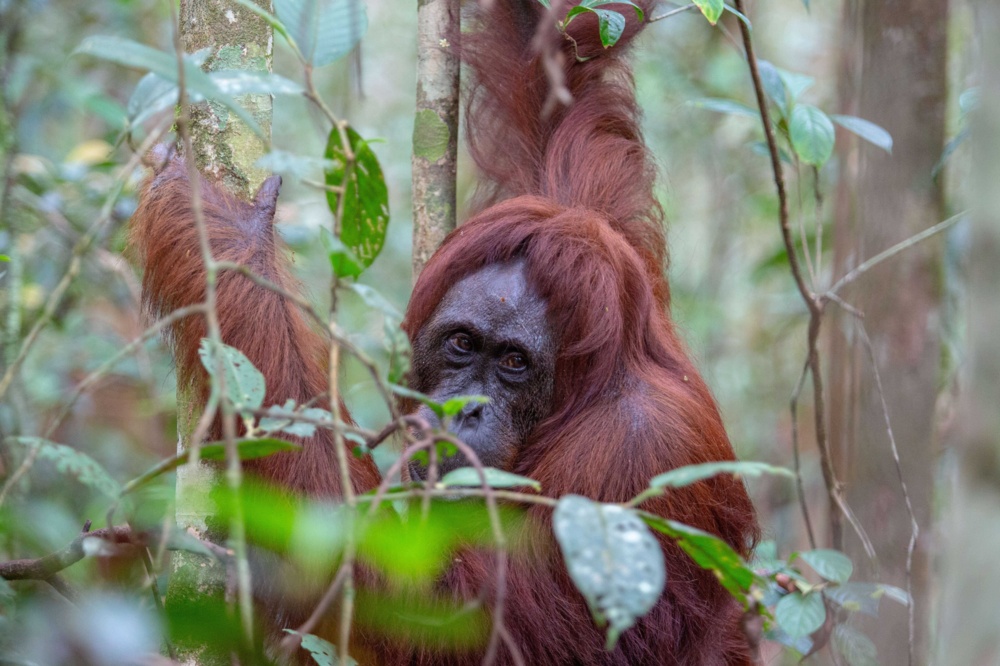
[(910, 67)]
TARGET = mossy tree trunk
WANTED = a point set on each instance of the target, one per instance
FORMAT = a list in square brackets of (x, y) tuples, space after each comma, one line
[(435, 127), (225, 151)]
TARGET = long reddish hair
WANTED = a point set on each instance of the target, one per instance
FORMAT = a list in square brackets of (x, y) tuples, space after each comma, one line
[(570, 193)]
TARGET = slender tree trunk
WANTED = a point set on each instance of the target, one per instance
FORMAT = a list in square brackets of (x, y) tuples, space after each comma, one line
[(901, 85), (970, 531), (225, 151), (435, 128)]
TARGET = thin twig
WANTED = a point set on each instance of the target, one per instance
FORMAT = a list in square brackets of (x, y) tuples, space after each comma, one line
[(869, 264), (914, 526), (800, 490), (672, 12), (813, 303)]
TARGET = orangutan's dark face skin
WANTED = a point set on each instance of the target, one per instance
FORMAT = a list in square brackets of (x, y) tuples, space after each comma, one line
[(489, 336)]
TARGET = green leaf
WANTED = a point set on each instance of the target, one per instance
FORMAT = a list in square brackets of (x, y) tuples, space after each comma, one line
[(246, 449), (740, 15), (610, 23), (453, 406), (856, 648), (774, 86), (406, 392), (867, 130), (949, 149), (342, 260), (830, 564), (709, 552), (800, 614), (685, 476), (865, 597), (725, 106), (812, 134), (282, 419), (244, 382), (323, 652), (374, 299), (495, 478), (796, 83), (712, 9), (612, 557), (131, 54), (4, 257), (366, 198), (70, 462), (323, 30)]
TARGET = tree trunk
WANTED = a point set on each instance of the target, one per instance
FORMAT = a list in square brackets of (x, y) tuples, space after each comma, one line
[(901, 84), (435, 128), (970, 532), (225, 150)]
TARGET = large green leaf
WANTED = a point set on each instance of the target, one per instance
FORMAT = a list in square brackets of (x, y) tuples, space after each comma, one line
[(495, 478), (366, 198), (812, 134), (72, 463), (685, 476), (323, 30), (613, 559), (709, 552), (800, 614), (134, 55)]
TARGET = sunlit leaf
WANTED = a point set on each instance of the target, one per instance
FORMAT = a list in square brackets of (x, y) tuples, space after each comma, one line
[(613, 559), (709, 552), (406, 392), (712, 9), (452, 406), (812, 134), (366, 198), (684, 476), (323, 30), (800, 614), (495, 478)]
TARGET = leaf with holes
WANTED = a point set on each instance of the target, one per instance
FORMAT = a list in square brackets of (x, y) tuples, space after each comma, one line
[(70, 462), (244, 382), (612, 557), (366, 198), (323, 30), (812, 134), (800, 614), (685, 476), (323, 652), (495, 478), (830, 564)]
